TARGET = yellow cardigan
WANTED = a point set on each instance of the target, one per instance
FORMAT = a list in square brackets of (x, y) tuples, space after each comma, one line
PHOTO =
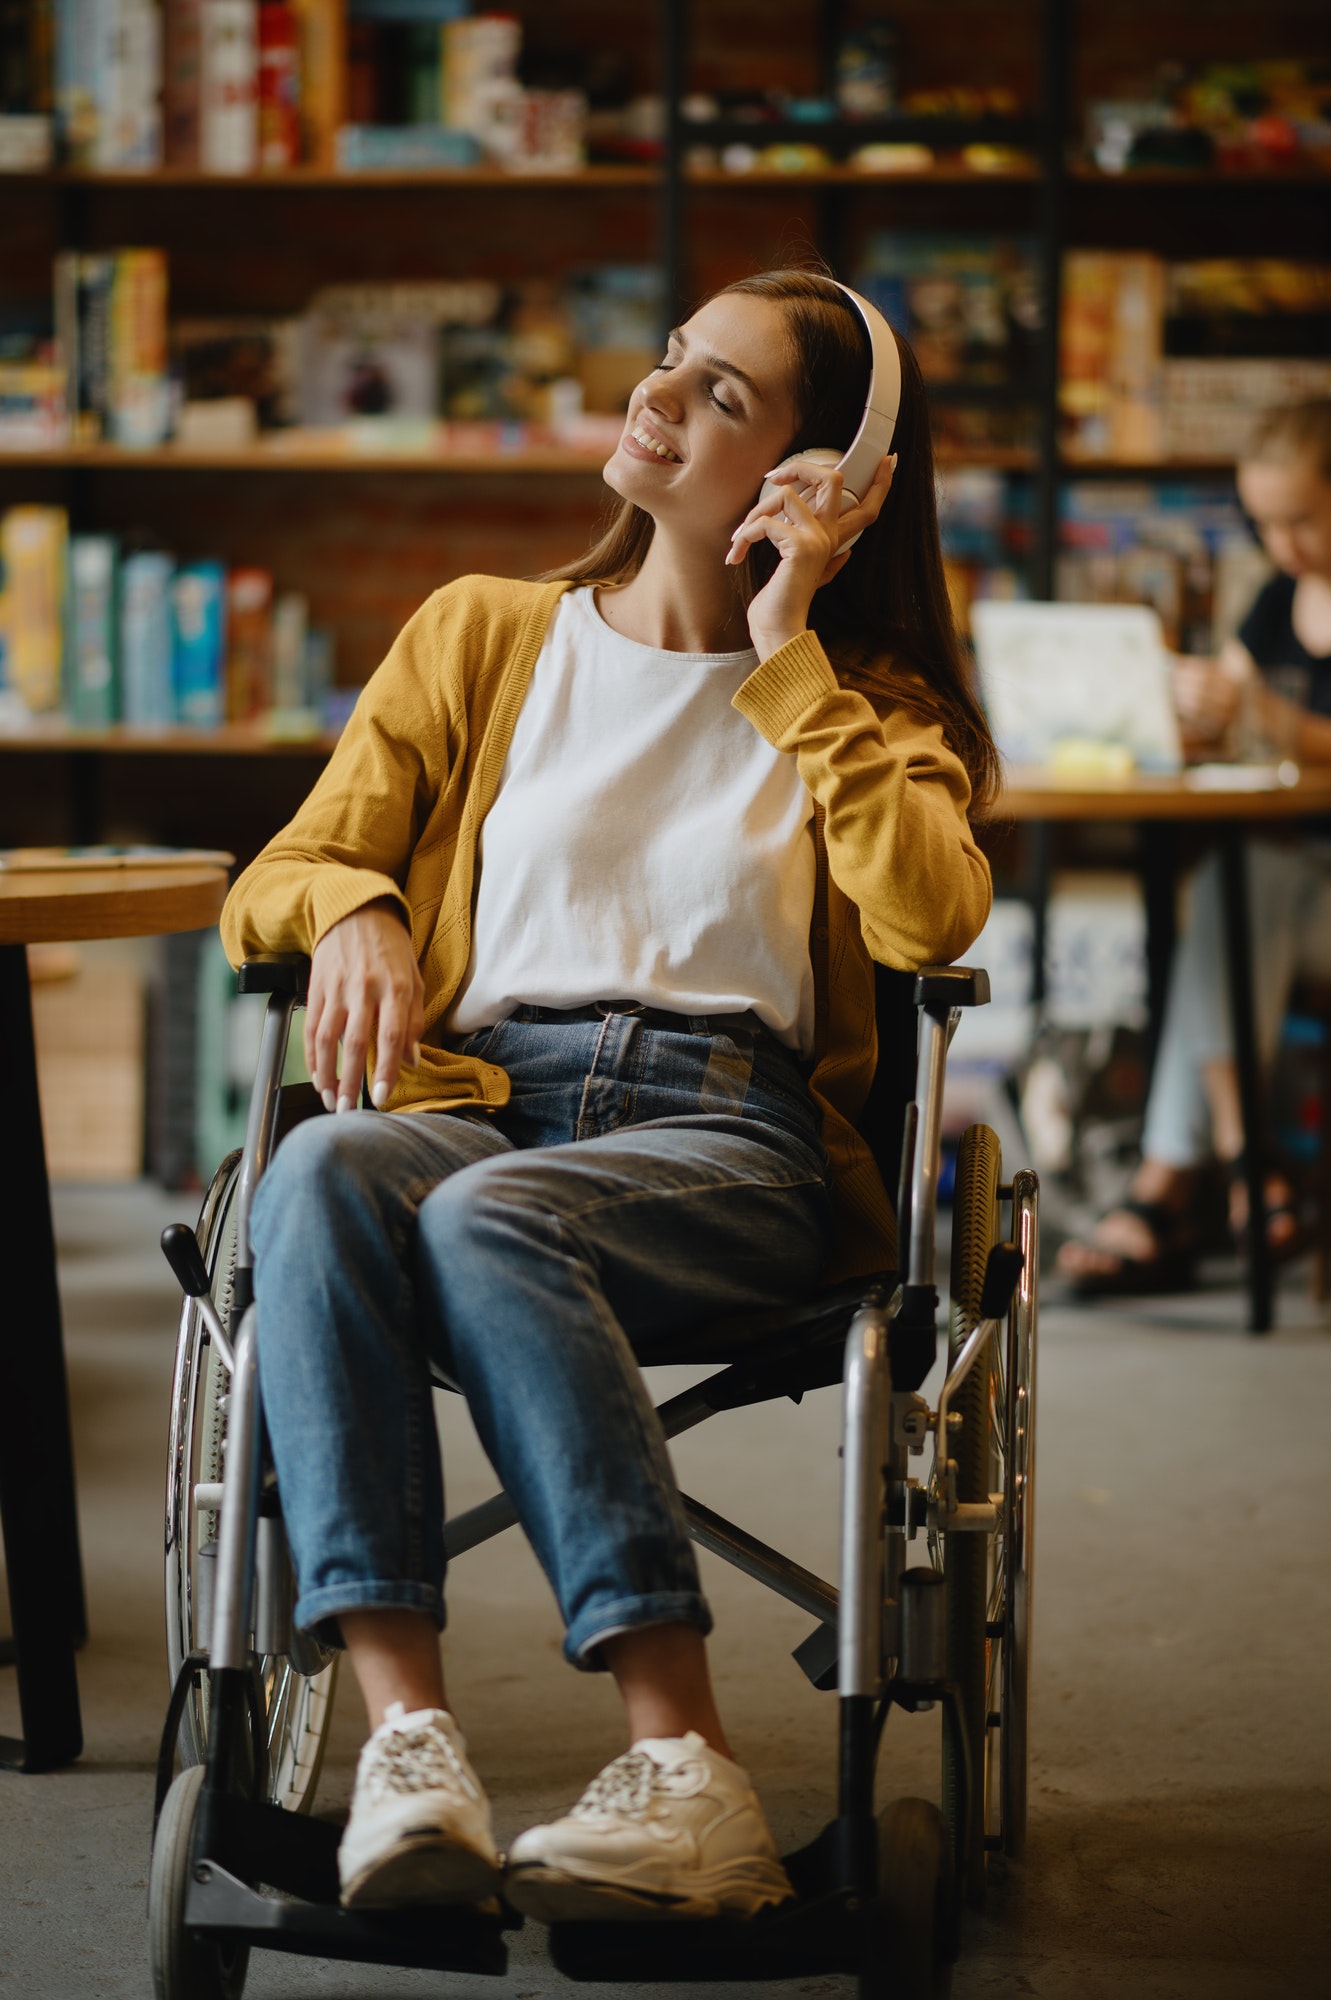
[(399, 808)]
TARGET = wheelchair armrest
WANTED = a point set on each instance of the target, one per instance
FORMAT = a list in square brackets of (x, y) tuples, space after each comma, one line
[(275, 972), (951, 986)]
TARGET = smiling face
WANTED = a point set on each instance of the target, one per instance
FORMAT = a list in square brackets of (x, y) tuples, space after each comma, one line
[(705, 425), (1289, 503)]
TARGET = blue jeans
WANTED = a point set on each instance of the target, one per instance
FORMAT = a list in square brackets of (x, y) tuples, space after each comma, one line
[(640, 1178)]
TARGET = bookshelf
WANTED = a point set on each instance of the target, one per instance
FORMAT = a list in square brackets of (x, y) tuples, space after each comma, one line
[(367, 532)]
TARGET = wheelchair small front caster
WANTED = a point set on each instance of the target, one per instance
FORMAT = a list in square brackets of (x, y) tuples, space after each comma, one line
[(184, 1965), (915, 1933)]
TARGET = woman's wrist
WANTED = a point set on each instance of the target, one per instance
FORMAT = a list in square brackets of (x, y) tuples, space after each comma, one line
[(770, 639)]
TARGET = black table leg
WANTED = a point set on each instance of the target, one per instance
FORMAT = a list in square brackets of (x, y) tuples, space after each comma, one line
[(37, 1504), (1238, 952), (1159, 876)]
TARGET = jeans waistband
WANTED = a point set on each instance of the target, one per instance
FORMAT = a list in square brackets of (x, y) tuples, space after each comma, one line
[(651, 1017)]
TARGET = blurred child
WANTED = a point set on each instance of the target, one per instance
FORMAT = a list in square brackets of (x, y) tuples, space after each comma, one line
[(1148, 1241)]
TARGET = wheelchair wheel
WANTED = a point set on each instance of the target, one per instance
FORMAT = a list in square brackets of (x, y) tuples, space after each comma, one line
[(973, 1564), (296, 1689), (915, 1934), (185, 1966)]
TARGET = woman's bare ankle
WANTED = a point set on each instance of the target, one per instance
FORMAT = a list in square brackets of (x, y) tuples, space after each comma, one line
[(395, 1657)]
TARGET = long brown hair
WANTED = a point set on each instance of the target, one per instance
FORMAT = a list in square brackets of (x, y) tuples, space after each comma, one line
[(885, 618)]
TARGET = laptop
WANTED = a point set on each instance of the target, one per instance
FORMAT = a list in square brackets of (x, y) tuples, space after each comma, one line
[(1060, 674)]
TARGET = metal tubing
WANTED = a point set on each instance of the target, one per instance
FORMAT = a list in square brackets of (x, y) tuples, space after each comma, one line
[(272, 1606), (211, 1318), (262, 1116), (756, 1559), (966, 1360), (867, 1407), (240, 1507), (924, 1173)]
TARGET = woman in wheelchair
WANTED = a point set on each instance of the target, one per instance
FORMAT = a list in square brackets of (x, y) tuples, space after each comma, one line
[(593, 883)]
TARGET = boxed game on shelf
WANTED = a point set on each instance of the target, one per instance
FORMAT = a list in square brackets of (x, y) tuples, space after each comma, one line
[(1161, 362), (110, 322), (106, 634)]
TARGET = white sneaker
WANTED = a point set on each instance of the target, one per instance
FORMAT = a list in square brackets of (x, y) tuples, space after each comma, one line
[(419, 1830), (670, 1829)]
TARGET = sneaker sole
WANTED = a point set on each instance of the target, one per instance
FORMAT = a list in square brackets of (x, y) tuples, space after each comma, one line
[(422, 1870), (554, 1896)]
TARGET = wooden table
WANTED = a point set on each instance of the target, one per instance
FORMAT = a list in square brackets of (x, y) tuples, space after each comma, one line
[(1161, 805), (37, 1502)]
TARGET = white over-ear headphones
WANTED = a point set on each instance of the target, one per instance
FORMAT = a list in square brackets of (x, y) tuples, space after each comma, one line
[(860, 460)]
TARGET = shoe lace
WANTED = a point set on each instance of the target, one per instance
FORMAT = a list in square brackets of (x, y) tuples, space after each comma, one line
[(416, 1760), (625, 1787)]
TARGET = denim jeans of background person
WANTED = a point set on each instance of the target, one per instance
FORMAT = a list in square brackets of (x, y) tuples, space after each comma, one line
[(638, 1179)]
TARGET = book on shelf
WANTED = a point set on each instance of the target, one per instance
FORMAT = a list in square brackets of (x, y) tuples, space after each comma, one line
[(110, 321), (249, 643), (92, 633), (108, 83), (32, 552), (229, 86), (146, 694), (198, 643)]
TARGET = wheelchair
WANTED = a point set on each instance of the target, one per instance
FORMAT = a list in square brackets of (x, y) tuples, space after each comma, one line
[(238, 1861)]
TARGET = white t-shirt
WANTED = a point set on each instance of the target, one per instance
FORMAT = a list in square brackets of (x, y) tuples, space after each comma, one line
[(646, 843)]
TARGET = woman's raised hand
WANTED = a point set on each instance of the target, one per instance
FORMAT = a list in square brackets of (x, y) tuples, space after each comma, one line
[(810, 534), (364, 982)]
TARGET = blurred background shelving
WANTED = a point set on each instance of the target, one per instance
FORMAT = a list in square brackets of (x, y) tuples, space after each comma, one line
[(735, 152)]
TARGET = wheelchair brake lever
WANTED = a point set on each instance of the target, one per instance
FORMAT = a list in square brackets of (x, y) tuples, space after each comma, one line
[(180, 1247)]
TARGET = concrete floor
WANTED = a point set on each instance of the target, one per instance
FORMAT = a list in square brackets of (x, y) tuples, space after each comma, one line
[(1180, 1828)]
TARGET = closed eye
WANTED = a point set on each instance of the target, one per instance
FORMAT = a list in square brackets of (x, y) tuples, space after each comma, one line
[(665, 366)]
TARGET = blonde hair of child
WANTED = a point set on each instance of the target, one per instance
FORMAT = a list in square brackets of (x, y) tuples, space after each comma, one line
[(1293, 431)]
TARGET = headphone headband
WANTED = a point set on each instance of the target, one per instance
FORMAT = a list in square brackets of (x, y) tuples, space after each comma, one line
[(873, 440)]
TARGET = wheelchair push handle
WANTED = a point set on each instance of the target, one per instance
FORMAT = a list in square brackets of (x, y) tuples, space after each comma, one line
[(284, 972)]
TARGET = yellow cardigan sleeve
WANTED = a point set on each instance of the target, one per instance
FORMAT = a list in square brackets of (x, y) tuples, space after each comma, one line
[(899, 845), (352, 840)]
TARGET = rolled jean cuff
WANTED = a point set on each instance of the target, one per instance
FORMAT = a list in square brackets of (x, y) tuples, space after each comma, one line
[(589, 1631), (317, 1611)]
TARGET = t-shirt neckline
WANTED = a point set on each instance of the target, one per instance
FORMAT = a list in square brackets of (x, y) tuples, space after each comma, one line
[(585, 598)]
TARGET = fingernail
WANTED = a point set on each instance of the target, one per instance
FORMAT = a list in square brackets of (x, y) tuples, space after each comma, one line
[(330, 1100), (379, 1095), (415, 1052), (346, 1104)]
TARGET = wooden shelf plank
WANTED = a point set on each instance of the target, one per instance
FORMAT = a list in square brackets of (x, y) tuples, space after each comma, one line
[(549, 459), (45, 735)]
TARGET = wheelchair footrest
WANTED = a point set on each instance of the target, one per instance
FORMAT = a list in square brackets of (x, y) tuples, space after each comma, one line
[(799, 1939), (438, 1940)]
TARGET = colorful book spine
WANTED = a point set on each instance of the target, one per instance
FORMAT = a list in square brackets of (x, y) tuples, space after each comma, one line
[(140, 402), (323, 77), (91, 633), (249, 643), (32, 550), (291, 617), (77, 46), (129, 85), (229, 87), (279, 86), (147, 697), (182, 31), (83, 286), (198, 648)]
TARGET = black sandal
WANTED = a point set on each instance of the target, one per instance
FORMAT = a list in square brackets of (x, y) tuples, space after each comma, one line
[(1171, 1268)]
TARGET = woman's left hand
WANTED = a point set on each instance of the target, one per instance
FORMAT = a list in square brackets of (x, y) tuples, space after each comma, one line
[(810, 535)]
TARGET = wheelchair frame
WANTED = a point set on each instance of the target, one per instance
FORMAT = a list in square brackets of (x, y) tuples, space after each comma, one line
[(880, 1895)]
